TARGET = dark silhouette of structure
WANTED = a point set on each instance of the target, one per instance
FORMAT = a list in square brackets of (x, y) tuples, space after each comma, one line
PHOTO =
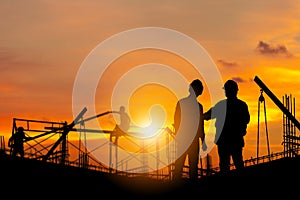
[(189, 129), (290, 123), (280, 105), (43, 170), (261, 100), (290, 139), (231, 127)]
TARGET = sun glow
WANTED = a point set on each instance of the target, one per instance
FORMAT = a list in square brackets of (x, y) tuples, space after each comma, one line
[(152, 107)]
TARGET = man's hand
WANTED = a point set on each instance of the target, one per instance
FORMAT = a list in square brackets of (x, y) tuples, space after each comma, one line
[(204, 147)]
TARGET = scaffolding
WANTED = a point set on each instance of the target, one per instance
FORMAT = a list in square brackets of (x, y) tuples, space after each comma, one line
[(291, 141), (49, 141), (2, 144)]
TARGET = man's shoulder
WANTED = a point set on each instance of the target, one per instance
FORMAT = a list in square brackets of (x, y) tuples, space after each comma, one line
[(242, 102), (200, 106), (184, 100), (221, 102)]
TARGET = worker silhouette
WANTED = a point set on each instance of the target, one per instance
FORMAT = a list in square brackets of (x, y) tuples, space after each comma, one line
[(231, 127), (121, 128), (124, 119), (189, 129), (16, 142)]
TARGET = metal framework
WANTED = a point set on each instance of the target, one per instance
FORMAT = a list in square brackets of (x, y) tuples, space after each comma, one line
[(261, 100), (290, 123), (48, 142), (291, 141), (60, 149), (280, 105)]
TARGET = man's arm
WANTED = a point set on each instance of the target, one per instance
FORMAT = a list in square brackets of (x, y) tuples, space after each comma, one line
[(246, 115), (26, 138), (202, 132), (177, 117), (207, 115)]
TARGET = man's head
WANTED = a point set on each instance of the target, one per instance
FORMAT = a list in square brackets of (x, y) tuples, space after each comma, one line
[(231, 88), (122, 109), (196, 87), (20, 129)]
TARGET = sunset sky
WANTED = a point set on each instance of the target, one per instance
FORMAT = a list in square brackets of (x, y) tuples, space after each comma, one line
[(44, 43)]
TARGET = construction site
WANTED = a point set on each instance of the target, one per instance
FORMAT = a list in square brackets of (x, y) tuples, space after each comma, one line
[(50, 156)]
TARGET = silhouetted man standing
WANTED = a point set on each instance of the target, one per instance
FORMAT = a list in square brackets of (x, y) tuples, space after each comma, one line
[(232, 116), (189, 128), (16, 142)]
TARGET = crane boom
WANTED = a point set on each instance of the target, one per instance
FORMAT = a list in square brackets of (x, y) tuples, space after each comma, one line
[(277, 101)]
